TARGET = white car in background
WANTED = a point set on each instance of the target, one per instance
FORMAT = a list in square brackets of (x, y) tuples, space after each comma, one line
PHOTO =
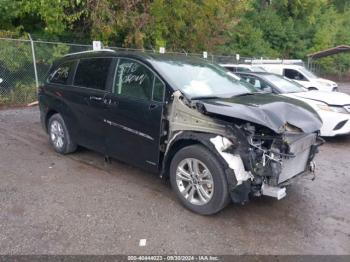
[(243, 68), (332, 107), (301, 75)]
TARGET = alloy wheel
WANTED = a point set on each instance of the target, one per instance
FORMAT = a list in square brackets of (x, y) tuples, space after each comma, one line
[(194, 181), (57, 134)]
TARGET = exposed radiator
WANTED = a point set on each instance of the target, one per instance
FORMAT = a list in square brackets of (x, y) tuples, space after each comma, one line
[(300, 146)]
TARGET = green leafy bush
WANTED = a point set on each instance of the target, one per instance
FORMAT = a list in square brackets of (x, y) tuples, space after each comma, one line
[(20, 95)]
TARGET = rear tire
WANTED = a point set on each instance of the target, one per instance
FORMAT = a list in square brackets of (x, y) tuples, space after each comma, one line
[(60, 137), (199, 181)]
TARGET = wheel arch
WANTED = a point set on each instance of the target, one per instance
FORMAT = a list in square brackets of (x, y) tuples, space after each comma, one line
[(48, 115), (185, 139), (238, 193), (60, 107)]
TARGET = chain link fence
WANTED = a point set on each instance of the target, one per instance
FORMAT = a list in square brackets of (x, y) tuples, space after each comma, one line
[(24, 64), (19, 78), (17, 83)]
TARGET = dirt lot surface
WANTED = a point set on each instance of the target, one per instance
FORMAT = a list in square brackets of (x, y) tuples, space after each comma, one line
[(77, 204)]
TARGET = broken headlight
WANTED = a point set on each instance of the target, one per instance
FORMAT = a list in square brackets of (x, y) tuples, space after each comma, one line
[(336, 109)]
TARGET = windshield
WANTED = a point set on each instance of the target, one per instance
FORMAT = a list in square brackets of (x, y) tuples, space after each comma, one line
[(199, 79), (307, 72), (284, 85)]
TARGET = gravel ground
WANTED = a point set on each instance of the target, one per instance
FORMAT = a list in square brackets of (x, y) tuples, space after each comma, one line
[(77, 204)]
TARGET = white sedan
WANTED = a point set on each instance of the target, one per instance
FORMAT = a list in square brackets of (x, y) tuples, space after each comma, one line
[(332, 107)]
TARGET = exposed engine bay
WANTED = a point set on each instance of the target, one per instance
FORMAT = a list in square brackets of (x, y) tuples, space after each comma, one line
[(272, 162), (261, 160)]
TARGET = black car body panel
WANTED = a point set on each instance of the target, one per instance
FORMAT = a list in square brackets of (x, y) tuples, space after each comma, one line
[(268, 110)]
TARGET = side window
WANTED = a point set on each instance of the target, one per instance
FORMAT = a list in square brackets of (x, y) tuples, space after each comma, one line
[(257, 83), (250, 80), (232, 69), (134, 80), (244, 78), (260, 84), (265, 87), (61, 74), (242, 69), (158, 90), (92, 73), (247, 79), (294, 74)]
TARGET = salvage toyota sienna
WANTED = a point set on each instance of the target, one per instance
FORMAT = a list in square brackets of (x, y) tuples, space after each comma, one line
[(216, 138)]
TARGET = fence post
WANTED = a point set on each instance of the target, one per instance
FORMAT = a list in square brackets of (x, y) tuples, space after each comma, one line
[(34, 63)]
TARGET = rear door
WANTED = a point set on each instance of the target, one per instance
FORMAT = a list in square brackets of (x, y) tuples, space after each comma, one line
[(135, 114), (91, 80)]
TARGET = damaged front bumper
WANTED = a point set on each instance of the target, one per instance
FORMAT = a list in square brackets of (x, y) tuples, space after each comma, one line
[(269, 175), (279, 191)]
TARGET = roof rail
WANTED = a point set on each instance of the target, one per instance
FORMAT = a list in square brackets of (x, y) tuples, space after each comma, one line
[(91, 51), (275, 61)]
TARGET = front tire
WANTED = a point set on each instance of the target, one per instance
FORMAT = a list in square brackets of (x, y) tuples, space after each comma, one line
[(199, 181), (60, 137)]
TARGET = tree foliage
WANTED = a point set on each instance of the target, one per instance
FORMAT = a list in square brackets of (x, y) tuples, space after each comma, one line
[(283, 28)]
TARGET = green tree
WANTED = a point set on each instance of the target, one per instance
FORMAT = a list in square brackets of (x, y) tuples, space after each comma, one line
[(247, 41), (283, 28)]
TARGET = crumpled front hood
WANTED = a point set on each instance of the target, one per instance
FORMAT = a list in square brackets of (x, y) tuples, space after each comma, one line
[(330, 98), (272, 111)]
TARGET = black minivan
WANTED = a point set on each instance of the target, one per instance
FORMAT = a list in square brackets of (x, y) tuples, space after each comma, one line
[(215, 137)]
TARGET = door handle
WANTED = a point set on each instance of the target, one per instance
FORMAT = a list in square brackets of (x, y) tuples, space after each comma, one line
[(110, 102), (95, 98)]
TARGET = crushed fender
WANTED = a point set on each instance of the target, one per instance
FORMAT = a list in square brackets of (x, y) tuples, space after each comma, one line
[(234, 161), (260, 142)]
